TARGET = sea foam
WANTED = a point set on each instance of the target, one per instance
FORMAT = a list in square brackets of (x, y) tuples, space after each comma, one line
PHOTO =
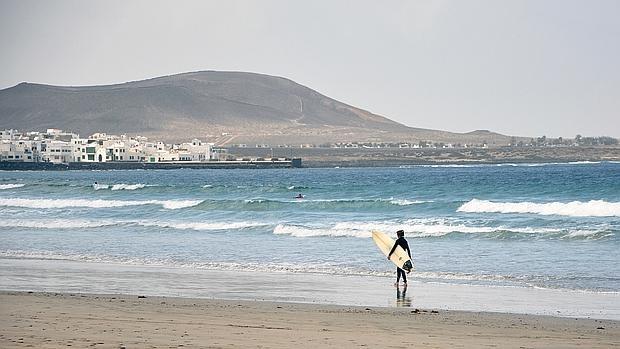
[(120, 186), (203, 225), (10, 186), (123, 186), (592, 208), (428, 228), (64, 203), (54, 224)]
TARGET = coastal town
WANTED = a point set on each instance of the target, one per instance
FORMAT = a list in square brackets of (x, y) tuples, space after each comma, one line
[(57, 146)]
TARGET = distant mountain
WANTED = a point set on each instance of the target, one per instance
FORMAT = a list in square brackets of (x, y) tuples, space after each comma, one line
[(226, 107)]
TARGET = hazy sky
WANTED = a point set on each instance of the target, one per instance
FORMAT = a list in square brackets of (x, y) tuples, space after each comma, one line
[(517, 67)]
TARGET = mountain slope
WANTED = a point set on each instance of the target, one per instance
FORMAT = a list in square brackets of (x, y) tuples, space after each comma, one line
[(248, 107)]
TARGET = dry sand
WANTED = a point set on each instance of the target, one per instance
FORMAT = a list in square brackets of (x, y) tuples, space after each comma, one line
[(54, 320)]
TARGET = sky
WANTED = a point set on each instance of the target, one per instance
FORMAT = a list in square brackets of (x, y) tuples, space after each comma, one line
[(522, 67)]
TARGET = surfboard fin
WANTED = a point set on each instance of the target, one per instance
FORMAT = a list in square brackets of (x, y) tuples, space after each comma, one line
[(407, 266)]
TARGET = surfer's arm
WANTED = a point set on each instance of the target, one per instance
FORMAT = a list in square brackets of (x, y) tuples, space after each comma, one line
[(392, 250)]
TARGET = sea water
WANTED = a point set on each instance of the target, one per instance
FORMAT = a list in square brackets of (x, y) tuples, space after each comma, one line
[(549, 226)]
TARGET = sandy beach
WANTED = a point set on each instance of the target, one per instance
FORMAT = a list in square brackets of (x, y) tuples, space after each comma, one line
[(61, 320)]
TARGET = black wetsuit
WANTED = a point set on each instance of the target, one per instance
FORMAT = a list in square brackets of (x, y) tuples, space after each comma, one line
[(402, 243)]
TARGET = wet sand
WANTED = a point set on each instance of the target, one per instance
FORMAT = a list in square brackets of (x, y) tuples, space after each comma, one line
[(63, 320)]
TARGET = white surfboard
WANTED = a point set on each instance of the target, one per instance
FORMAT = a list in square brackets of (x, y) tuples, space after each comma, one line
[(399, 257)]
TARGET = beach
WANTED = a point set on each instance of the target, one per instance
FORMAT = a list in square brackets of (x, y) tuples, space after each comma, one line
[(61, 320), (521, 255)]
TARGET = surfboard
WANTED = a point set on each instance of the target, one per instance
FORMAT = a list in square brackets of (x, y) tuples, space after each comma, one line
[(399, 257)]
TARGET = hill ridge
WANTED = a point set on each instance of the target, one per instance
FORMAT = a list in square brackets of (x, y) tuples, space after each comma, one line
[(206, 104)]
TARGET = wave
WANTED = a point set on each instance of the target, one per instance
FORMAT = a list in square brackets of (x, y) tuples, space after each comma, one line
[(128, 186), (65, 203), (307, 201), (293, 187), (10, 186), (592, 208), (55, 224), (436, 228), (405, 202), (121, 186), (80, 223), (203, 225)]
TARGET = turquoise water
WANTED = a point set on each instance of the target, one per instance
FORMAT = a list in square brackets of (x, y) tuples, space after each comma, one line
[(551, 226)]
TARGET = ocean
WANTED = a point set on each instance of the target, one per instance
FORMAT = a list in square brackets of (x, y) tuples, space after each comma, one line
[(537, 226)]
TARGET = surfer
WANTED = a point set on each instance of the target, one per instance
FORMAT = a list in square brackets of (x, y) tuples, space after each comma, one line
[(299, 196), (402, 243)]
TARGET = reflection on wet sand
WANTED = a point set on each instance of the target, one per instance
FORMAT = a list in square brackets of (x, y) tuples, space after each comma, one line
[(401, 296)]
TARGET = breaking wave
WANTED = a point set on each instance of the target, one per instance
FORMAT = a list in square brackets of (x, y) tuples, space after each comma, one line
[(203, 225), (405, 202), (80, 223), (55, 224), (353, 201), (120, 186), (438, 228), (128, 186), (592, 208), (64, 203), (10, 186)]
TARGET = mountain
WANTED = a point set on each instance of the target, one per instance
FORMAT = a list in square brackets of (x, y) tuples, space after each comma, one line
[(225, 107)]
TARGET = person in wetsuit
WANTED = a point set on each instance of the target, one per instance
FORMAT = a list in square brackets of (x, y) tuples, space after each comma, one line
[(402, 243)]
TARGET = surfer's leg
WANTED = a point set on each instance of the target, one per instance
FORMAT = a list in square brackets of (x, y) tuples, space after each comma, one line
[(397, 275), (404, 276)]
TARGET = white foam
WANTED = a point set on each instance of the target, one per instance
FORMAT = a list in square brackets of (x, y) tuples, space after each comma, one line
[(593, 208), (10, 186), (364, 229), (588, 234), (120, 186), (176, 204), (203, 225), (300, 231), (123, 186), (64, 203), (255, 201), (405, 202), (54, 224), (420, 228)]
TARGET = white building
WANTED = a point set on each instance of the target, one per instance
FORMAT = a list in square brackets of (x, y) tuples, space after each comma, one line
[(57, 146), (57, 151)]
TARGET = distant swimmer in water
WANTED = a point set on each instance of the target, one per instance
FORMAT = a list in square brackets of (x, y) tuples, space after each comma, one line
[(299, 196)]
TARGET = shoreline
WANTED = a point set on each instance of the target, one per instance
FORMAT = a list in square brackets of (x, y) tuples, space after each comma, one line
[(53, 320), (345, 290)]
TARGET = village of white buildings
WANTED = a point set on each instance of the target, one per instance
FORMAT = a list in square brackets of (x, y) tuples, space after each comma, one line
[(57, 146)]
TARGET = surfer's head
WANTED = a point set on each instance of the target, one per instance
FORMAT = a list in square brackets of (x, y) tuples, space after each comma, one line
[(400, 233)]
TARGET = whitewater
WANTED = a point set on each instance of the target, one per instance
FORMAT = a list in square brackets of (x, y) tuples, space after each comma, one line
[(552, 226)]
